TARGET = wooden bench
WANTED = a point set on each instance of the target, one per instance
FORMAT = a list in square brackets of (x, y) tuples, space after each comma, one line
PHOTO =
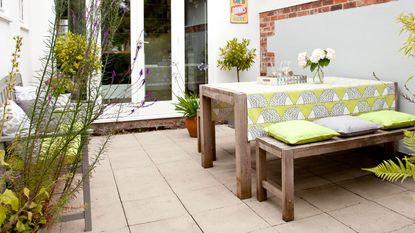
[(288, 154)]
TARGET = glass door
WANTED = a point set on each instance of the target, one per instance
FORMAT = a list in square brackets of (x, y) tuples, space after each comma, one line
[(116, 78), (159, 74), (196, 45)]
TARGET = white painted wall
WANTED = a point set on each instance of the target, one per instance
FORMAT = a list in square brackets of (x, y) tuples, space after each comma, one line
[(33, 28), (366, 39), (221, 30)]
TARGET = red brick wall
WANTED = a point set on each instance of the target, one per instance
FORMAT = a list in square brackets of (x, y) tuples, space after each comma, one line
[(267, 20)]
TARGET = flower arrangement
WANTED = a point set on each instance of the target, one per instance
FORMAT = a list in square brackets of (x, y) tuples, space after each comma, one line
[(317, 61)]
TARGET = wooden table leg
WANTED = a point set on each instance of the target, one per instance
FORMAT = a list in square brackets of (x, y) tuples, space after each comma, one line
[(242, 148), (214, 139), (207, 134), (261, 173), (287, 178)]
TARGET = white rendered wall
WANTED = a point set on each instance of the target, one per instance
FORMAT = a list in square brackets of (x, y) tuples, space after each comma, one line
[(33, 28), (221, 30), (366, 39)]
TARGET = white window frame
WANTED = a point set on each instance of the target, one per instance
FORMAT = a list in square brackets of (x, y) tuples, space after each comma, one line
[(21, 10)]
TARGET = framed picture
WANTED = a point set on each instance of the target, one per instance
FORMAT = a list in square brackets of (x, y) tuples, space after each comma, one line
[(239, 11)]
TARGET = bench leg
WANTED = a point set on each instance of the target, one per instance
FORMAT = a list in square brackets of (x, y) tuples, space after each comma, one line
[(391, 149), (261, 173), (287, 177)]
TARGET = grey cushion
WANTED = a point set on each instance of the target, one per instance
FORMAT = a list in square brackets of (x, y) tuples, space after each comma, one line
[(348, 126), (25, 98)]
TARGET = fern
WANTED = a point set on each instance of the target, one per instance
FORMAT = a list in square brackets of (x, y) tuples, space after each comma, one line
[(393, 171)]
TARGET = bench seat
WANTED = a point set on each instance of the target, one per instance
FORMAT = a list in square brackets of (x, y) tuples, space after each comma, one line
[(287, 153)]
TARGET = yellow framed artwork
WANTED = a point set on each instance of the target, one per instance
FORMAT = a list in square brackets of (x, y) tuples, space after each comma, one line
[(239, 11)]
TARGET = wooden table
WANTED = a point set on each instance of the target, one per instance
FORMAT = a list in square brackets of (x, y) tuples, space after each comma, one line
[(242, 146), (238, 99)]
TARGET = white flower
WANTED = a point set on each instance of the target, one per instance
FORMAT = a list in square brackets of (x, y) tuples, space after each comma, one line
[(331, 54), (302, 59), (317, 55)]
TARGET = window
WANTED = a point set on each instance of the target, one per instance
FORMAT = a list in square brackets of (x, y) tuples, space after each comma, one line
[(21, 11)]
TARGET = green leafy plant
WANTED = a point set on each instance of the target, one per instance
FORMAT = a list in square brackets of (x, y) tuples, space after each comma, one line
[(38, 171), (71, 53), (61, 85), (401, 169), (236, 54), (24, 214), (188, 105)]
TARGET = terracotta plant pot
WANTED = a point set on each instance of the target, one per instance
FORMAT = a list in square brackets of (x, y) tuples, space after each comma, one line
[(191, 125)]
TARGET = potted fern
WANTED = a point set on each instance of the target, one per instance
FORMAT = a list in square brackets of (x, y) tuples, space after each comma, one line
[(188, 106)]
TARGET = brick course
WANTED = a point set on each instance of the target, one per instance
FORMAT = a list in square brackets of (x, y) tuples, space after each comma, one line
[(267, 20)]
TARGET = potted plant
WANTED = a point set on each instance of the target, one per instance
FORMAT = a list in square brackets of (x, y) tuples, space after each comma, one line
[(188, 106), (236, 54)]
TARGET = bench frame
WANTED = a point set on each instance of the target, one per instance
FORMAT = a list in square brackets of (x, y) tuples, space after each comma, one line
[(288, 154)]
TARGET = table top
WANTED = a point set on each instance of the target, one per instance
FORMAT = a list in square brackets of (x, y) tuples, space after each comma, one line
[(329, 83)]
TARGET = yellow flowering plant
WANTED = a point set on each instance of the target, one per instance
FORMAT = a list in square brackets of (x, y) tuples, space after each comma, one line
[(71, 51)]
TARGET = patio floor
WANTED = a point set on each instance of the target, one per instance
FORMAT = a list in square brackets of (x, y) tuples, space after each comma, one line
[(153, 182)]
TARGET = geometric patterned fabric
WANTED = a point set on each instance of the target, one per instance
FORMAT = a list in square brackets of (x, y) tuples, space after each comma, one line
[(336, 97)]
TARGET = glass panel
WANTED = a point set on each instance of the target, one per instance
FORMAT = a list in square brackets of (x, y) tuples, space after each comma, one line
[(157, 39), (117, 58), (196, 44)]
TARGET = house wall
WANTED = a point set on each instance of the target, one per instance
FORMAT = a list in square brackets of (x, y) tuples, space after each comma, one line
[(367, 39), (33, 28), (221, 30)]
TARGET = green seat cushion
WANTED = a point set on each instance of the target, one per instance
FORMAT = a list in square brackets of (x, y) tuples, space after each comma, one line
[(299, 132), (390, 119)]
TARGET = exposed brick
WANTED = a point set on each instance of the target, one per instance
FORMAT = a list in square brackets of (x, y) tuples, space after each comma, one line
[(324, 9), (303, 13), (328, 2), (336, 7), (292, 15), (349, 5), (341, 1)]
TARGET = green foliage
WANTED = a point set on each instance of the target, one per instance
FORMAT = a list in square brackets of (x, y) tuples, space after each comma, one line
[(402, 168), (236, 54), (73, 51), (408, 26), (23, 213), (39, 170), (188, 105), (61, 85)]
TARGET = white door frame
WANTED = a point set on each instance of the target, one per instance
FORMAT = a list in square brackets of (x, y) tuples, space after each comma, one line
[(160, 108)]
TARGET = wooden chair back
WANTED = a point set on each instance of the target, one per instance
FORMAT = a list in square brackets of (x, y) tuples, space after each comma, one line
[(3, 87)]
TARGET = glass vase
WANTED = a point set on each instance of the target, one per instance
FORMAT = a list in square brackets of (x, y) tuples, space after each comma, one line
[(318, 76)]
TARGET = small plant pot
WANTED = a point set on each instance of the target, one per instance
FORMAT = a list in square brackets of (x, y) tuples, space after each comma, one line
[(191, 125)]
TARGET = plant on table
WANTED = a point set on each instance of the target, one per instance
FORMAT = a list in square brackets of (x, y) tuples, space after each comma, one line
[(188, 106), (401, 169), (236, 54), (318, 60)]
